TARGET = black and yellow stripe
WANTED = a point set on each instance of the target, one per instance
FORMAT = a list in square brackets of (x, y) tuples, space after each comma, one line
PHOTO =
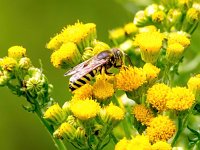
[(83, 80)]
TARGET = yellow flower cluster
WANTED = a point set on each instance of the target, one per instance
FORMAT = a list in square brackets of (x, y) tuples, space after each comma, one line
[(141, 142), (194, 84), (85, 110), (130, 29), (8, 63), (156, 96), (180, 98), (83, 92), (130, 78), (151, 71), (178, 37), (161, 128), (150, 44), (16, 52), (143, 114)]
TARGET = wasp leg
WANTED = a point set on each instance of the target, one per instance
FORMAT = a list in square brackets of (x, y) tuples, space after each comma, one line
[(105, 70)]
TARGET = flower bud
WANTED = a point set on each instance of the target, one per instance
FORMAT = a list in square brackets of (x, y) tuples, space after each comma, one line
[(16, 52), (80, 135), (66, 108), (151, 9), (117, 35), (174, 52), (4, 77), (193, 15), (140, 18), (55, 42), (67, 56), (65, 131), (173, 18), (88, 53), (158, 17), (72, 120), (54, 114), (25, 63), (99, 47), (150, 28)]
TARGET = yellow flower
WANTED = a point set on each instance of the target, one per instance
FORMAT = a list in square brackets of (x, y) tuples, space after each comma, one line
[(178, 37), (194, 84), (113, 113), (140, 142), (130, 29), (80, 34), (25, 63), (140, 18), (156, 96), (122, 144), (151, 71), (54, 114), (55, 42), (151, 9), (158, 16), (102, 88), (99, 47), (8, 63), (16, 52), (161, 129), (143, 114), (150, 44), (160, 145), (67, 56), (193, 15), (83, 92), (174, 52), (86, 109), (130, 78), (180, 98), (117, 35), (65, 131)]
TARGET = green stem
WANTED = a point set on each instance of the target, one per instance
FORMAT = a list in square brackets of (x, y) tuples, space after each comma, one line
[(113, 138), (126, 128)]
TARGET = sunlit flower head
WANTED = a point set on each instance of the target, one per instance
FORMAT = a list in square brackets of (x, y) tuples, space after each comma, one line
[(174, 52), (86, 109), (194, 84), (161, 129), (67, 56), (143, 114), (8, 63), (140, 142), (150, 28), (16, 52), (102, 88), (54, 114), (130, 78), (80, 34), (180, 98), (130, 29), (193, 15), (156, 96), (150, 44), (83, 92), (122, 144), (55, 42), (160, 145), (99, 47), (151, 71), (178, 37), (158, 16)]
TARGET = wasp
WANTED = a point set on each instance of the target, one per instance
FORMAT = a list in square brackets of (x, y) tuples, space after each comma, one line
[(85, 71)]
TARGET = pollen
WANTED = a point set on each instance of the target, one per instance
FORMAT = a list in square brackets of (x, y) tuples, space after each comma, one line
[(83, 92), (161, 128), (16, 52), (156, 96), (160, 145), (151, 71), (86, 109), (67, 56), (140, 142), (8, 63), (180, 98), (102, 88), (150, 44), (178, 37), (143, 114), (130, 78)]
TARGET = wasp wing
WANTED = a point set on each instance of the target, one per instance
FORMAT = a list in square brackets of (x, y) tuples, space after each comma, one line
[(78, 68)]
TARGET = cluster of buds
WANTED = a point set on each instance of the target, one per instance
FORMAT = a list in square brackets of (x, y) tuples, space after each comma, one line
[(20, 76), (84, 123)]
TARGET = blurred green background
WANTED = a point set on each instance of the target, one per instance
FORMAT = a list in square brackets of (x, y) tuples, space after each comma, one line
[(31, 23)]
